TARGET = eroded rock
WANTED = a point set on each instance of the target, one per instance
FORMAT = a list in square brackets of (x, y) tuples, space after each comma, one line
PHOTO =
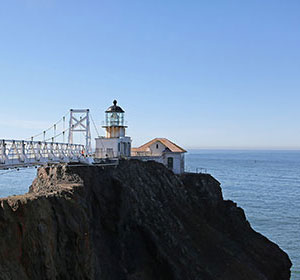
[(135, 221)]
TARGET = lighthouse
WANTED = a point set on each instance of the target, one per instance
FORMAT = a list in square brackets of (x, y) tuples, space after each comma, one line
[(115, 144), (114, 121)]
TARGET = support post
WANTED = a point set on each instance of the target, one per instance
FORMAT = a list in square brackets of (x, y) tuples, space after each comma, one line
[(22, 155), (80, 125), (3, 152)]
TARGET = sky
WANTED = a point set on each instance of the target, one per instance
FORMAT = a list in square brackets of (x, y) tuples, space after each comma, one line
[(204, 74)]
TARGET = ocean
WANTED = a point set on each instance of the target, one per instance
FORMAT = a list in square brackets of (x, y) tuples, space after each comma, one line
[(266, 184)]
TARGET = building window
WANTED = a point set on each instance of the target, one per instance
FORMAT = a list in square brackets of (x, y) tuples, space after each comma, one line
[(156, 146), (170, 162)]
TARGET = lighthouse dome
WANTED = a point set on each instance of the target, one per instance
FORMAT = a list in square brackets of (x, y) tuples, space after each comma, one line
[(114, 108)]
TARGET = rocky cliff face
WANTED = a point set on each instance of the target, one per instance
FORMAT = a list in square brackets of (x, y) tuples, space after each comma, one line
[(136, 221)]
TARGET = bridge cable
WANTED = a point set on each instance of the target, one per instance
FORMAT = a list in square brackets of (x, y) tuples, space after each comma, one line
[(44, 132), (94, 125), (52, 138), (64, 122), (62, 133), (98, 133)]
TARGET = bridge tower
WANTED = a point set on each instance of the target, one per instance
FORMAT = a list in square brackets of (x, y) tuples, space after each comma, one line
[(80, 122)]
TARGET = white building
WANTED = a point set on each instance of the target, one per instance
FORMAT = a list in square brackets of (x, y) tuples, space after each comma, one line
[(164, 151), (115, 144)]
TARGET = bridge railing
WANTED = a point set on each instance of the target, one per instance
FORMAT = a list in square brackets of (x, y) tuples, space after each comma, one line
[(19, 152)]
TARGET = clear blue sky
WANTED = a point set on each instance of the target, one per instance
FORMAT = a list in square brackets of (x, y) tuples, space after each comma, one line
[(205, 74)]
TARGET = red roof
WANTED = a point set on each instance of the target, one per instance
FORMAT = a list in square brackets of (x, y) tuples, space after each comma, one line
[(167, 143)]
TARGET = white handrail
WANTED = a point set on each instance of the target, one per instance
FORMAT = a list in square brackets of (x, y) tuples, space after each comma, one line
[(15, 153)]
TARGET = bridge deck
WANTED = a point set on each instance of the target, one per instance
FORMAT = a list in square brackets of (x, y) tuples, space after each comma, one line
[(20, 153)]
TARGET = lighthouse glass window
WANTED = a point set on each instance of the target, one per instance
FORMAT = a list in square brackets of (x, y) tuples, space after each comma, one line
[(114, 119)]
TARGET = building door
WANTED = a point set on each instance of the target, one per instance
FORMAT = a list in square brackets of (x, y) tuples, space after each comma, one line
[(170, 162)]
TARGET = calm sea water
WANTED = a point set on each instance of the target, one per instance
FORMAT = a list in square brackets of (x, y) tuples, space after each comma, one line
[(266, 184)]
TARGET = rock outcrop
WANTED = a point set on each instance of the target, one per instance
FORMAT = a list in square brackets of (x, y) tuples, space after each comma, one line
[(134, 221)]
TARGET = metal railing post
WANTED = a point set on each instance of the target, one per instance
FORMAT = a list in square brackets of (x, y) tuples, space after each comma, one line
[(3, 152), (22, 152)]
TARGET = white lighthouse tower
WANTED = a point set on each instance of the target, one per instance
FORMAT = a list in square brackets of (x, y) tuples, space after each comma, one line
[(115, 144)]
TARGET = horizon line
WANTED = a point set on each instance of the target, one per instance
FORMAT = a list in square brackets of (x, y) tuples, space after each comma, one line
[(246, 148)]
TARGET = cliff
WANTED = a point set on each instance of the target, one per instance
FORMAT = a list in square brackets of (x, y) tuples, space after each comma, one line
[(135, 221)]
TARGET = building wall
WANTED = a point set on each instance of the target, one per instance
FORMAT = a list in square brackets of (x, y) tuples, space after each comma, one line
[(182, 163), (157, 148), (115, 131), (178, 160), (113, 147), (147, 158)]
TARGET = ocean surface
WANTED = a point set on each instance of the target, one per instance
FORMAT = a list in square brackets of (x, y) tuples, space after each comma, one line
[(266, 184)]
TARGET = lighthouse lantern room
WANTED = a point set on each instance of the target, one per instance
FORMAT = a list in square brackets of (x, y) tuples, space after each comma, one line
[(114, 121), (115, 144)]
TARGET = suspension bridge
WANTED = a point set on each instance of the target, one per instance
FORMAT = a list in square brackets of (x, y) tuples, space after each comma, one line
[(50, 146)]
